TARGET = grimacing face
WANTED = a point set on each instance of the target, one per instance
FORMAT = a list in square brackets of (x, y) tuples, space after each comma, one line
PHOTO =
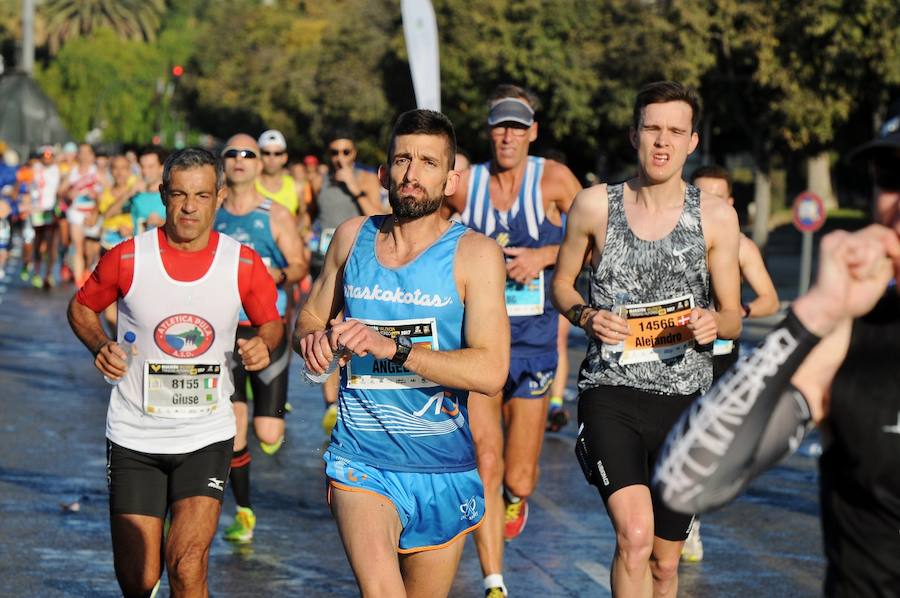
[(664, 139), (418, 176), (191, 202)]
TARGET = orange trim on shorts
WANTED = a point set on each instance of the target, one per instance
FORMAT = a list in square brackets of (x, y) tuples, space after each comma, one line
[(339, 486), (445, 544), (333, 484)]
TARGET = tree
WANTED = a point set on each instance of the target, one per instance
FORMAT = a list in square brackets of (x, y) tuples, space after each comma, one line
[(108, 83), (130, 19), (263, 77)]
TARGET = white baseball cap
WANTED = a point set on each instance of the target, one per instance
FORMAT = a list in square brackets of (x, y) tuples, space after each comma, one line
[(272, 137)]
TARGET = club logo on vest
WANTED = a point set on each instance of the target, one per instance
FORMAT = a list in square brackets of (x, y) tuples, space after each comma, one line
[(184, 336)]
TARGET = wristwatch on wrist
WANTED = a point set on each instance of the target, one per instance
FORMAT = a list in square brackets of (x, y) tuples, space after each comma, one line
[(283, 277), (404, 346), (574, 313), (746, 309)]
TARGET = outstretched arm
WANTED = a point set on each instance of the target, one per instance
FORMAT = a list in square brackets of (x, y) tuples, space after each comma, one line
[(758, 413)]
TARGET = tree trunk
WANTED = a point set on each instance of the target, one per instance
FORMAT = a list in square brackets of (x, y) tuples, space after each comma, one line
[(762, 202), (818, 179)]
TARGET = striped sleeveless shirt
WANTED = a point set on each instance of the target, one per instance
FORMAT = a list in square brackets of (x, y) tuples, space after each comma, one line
[(533, 319), (650, 271), (389, 417)]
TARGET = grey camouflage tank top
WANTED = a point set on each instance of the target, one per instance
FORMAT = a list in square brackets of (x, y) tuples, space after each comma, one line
[(650, 271)]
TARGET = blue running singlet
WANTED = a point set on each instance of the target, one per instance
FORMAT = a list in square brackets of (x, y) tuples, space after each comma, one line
[(533, 319), (389, 417), (254, 230)]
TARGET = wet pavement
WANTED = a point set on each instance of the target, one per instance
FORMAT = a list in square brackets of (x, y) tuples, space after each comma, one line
[(52, 414)]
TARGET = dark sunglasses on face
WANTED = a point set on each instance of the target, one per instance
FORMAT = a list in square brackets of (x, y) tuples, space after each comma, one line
[(337, 152), (267, 153), (243, 153)]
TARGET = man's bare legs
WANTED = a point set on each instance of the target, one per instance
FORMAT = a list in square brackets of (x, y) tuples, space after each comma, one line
[(487, 434), (137, 548), (643, 565)]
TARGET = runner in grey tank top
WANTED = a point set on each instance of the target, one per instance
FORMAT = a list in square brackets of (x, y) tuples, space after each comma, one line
[(669, 249), (650, 272)]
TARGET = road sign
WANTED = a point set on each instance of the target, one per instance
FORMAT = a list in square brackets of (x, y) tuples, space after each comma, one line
[(809, 212)]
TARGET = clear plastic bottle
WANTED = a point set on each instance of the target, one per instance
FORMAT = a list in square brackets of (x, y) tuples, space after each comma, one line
[(611, 352), (312, 378), (129, 348)]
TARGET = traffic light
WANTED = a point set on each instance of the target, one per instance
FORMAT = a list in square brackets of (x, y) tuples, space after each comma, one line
[(177, 70)]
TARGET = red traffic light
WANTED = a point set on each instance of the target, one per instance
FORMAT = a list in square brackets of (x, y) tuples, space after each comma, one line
[(177, 70)]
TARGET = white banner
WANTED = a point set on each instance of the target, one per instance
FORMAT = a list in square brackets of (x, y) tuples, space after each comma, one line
[(420, 31)]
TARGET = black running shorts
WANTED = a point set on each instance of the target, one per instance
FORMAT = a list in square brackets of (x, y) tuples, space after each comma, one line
[(148, 483), (621, 431), (270, 385)]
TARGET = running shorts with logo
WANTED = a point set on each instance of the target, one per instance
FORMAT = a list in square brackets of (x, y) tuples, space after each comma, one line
[(434, 508), (621, 431), (148, 483), (530, 377), (269, 385)]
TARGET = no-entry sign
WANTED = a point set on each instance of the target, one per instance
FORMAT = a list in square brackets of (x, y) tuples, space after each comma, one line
[(809, 212)]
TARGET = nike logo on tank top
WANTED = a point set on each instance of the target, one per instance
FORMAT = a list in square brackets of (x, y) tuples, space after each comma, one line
[(666, 274)]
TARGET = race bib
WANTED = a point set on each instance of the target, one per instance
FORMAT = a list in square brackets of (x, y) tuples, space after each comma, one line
[(525, 299), (368, 372), (658, 330), (181, 390)]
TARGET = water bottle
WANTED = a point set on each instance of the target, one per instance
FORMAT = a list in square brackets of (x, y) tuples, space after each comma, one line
[(129, 348), (312, 378), (611, 352)]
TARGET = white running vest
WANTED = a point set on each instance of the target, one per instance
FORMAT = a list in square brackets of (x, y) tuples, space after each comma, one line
[(178, 325)]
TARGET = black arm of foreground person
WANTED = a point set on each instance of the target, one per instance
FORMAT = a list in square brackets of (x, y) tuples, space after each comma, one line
[(749, 420)]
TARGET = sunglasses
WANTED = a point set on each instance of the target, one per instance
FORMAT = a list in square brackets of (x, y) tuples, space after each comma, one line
[(500, 131), (267, 153), (243, 153), (337, 152)]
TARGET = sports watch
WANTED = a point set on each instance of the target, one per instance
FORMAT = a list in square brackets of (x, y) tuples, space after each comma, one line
[(404, 346), (574, 313)]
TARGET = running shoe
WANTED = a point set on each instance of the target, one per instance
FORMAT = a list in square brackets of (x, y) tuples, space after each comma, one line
[(37, 282), (25, 275), (65, 273), (329, 418), (2, 274), (494, 593), (692, 551), (516, 518), (241, 529), (557, 416), (271, 449)]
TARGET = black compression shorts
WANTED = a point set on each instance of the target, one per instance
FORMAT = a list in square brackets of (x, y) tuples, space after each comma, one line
[(621, 431), (270, 385), (148, 483)]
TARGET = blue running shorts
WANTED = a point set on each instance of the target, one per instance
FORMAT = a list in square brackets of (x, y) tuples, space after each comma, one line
[(434, 508), (530, 377)]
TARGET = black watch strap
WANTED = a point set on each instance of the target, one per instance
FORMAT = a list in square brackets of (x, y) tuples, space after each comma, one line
[(574, 313), (404, 346)]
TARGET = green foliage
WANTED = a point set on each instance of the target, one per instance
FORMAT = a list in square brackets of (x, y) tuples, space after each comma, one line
[(107, 82), (253, 67), (777, 76), (130, 19)]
